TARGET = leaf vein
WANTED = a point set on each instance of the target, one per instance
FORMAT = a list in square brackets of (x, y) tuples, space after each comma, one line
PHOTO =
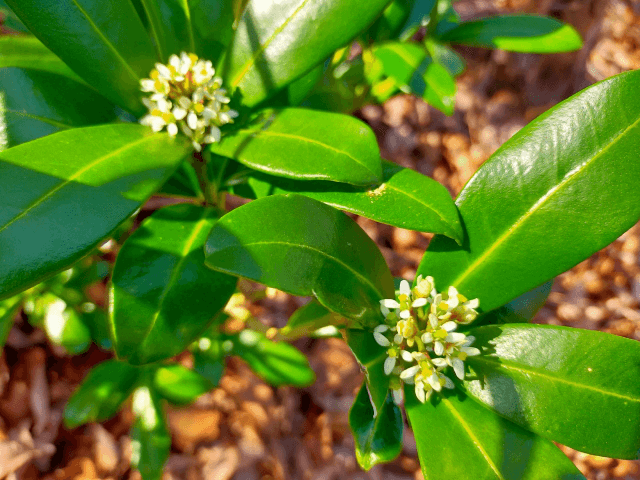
[(73, 177), (509, 365), (541, 201), (264, 46)]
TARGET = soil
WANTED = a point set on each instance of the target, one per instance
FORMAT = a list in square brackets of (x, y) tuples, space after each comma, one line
[(245, 429)]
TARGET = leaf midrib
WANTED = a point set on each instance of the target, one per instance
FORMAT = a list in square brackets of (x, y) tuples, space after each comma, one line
[(72, 178), (473, 437), (312, 141), (265, 45), (200, 224), (533, 371), (107, 42), (38, 118), (324, 254), (572, 174)]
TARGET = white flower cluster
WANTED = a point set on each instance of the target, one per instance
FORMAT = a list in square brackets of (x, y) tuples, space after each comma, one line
[(185, 94), (420, 337)]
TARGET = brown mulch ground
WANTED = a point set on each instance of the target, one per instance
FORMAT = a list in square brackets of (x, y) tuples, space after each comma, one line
[(246, 430)]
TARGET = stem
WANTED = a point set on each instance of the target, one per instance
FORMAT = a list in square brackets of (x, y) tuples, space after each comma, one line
[(200, 166)]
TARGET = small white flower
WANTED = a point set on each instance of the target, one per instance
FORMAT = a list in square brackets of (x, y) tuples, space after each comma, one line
[(389, 364), (405, 289), (421, 302), (186, 97), (409, 373), (389, 303), (381, 339)]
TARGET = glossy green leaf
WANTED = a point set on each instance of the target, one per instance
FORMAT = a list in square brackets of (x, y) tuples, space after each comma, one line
[(277, 363), (308, 319), (103, 42), (10, 20), (445, 56), (544, 200), (516, 33), (29, 52), (203, 27), (518, 310), (370, 357), (400, 61), (378, 434), (101, 393), (458, 438), (419, 16), (149, 436), (306, 144), (64, 193), (213, 23), (405, 199), (162, 295), (437, 87), (170, 26), (179, 385), (8, 311), (277, 42), (38, 103), (445, 18), (577, 387), (303, 247), (391, 22)]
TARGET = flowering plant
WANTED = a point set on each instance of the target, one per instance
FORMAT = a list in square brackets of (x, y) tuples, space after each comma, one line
[(86, 101)]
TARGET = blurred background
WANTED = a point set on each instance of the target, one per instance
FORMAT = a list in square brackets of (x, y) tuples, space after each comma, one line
[(246, 429)]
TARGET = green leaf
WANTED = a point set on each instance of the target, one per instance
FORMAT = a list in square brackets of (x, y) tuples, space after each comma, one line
[(458, 438), (378, 433), (203, 27), (103, 42), (150, 437), (370, 357), (277, 363), (419, 16), (306, 144), (391, 22), (577, 387), (10, 20), (278, 42), (436, 86), (544, 201), (38, 103), (213, 23), (101, 393), (179, 385), (64, 193), (405, 199), (303, 247), (306, 320), (400, 60), (170, 27), (162, 295), (445, 56), (518, 310), (516, 33), (29, 52), (8, 311)]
